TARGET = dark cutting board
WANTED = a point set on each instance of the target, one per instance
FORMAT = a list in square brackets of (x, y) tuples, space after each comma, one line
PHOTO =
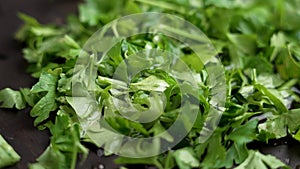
[(17, 126)]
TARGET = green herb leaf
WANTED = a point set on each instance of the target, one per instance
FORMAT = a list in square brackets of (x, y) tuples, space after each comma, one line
[(8, 156), (258, 160), (10, 98)]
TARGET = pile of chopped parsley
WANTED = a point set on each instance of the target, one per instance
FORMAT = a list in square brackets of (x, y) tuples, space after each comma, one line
[(258, 43)]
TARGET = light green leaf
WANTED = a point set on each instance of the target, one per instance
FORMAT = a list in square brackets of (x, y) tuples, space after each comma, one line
[(244, 133), (277, 102), (185, 158), (47, 83), (10, 98), (151, 83), (256, 160), (8, 156)]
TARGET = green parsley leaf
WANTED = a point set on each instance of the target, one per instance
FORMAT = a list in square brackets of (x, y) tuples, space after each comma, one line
[(8, 156), (257, 160), (47, 84), (10, 98)]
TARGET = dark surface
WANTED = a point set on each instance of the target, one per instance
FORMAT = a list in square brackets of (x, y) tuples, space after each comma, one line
[(17, 126)]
